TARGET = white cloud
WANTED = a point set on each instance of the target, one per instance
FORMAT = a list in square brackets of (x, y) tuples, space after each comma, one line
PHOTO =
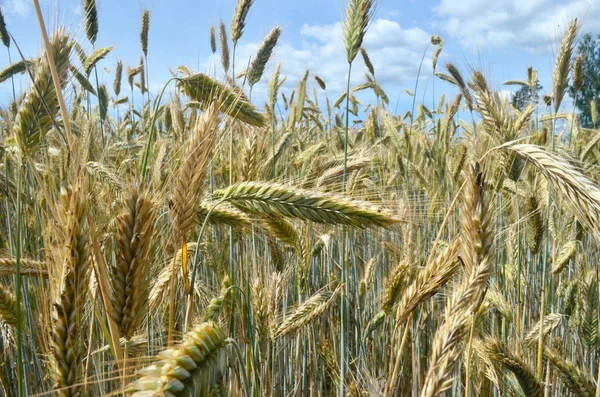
[(505, 94), (394, 51), (16, 8), (533, 24)]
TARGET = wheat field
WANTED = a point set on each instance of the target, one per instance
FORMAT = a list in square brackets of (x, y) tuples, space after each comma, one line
[(194, 242)]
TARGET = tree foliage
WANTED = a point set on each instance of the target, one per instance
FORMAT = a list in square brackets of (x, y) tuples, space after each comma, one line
[(526, 95), (590, 91)]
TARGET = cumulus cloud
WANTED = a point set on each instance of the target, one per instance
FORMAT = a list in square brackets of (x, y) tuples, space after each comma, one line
[(395, 52), (16, 7), (534, 24)]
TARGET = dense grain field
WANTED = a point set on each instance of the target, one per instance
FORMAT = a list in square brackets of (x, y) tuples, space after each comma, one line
[(200, 244)]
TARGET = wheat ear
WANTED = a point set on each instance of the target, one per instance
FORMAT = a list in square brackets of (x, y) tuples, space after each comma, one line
[(68, 326), (358, 15), (574, 186), (206, 90), (224, 47), (560, 76), (449, 337), (91, 20), (28, 267), (130, 285), (4, 36), (312, 308), (279, 200), (38, 110), (189, 182), (579, 383), (500, 353), (257, 67), (8, 306), (429, 281), (190, 368), (221, 216), (239, 19)]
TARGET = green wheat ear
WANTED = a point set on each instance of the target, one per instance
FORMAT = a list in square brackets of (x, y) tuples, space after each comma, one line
[(239, 19), (257, 67), (144, 32), (91, 20), (4, 36), (14, 69), (205, 90), (34, 120), (271, 199)]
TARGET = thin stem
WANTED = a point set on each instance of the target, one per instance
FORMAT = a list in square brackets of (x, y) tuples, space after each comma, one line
[(344, 270), (18, 246), (144, 169), (238, 353), (106, 104), (468, 360), (195, 265)]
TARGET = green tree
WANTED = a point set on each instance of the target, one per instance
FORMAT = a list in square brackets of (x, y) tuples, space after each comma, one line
[(590, 90), (525, 95)]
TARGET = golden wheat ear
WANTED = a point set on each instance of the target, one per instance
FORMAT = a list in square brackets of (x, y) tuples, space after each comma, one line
[(8, 306), (190, 368), (497, 351), (130, 286), (69, 326), (206, 90), (307, 312), (577, 381), (574, 186)]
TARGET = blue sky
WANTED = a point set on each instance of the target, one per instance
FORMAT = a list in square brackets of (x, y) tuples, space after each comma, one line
[(502, 38)]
